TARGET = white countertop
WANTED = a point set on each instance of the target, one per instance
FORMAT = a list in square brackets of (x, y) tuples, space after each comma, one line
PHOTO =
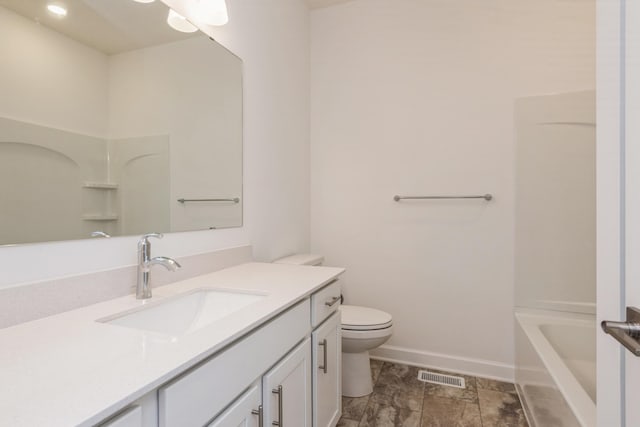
[(68, 369)]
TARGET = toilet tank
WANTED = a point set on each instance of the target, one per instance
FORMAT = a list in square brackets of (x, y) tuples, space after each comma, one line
[(301, 259)]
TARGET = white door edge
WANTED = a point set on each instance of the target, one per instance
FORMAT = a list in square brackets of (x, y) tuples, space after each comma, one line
[(610, 224)]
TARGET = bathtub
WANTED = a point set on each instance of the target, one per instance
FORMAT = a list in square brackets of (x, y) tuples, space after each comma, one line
[(556, 368)]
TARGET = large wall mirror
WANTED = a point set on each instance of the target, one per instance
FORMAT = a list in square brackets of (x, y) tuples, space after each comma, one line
[(113, 122)]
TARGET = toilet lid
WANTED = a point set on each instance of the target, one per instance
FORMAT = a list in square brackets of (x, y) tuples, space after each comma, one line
[(364, 318)]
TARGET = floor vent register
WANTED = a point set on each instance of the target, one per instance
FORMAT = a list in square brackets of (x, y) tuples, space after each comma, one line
[(442, 379)]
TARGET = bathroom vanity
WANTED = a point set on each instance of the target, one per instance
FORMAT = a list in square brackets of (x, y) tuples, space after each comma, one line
[(256, 344)]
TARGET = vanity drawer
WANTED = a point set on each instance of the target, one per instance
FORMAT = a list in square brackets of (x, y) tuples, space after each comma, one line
[(196, 397), (325, 302)]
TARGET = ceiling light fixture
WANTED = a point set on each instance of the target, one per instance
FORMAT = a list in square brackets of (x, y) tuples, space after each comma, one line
[(57, 9), (212, 12), (144, 1), (180, 23)]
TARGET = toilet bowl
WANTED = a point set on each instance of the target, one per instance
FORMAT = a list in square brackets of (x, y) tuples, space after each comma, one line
[(363, 329)]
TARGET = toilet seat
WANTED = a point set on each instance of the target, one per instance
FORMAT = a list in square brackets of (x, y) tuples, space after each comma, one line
[(362, 329), (371, 334), (356, 318)]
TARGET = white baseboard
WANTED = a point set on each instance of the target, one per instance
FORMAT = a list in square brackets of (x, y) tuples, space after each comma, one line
[(445, 362)]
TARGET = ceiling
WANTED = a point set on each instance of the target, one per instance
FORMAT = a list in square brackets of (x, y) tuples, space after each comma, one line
[(110, 26)]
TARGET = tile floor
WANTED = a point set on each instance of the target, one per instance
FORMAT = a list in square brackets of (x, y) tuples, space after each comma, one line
[(400, 399)]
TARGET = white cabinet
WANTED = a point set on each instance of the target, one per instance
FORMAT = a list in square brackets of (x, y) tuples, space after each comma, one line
[(244, 412), (130, 417), (196, 397), (282, 398), (141, 413), (325, 302), (280, 374), (286, 389), (327, 374)]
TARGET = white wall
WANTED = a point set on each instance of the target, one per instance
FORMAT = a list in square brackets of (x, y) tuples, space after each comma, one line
[(60, 97), (272, 39), (200, 113), (416, 97)]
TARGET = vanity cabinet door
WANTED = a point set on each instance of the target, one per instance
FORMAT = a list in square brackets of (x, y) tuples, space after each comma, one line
[(286, 389), (327, 372), (199, 395), (141, 413), (131, 417), (244, 412)]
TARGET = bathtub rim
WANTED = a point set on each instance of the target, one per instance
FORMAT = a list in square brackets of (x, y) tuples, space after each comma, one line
[(576, 396)]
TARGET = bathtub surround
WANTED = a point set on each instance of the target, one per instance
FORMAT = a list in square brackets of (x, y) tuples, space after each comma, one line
[(555, 254), (555, 249), (417, 97)]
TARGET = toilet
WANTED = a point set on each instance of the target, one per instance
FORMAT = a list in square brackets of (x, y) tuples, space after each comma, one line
[(363, 329)]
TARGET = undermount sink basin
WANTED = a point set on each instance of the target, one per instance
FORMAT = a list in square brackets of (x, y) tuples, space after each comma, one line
[(185, 313)]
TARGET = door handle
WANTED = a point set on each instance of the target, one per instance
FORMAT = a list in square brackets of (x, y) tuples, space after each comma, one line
[(626, 333)]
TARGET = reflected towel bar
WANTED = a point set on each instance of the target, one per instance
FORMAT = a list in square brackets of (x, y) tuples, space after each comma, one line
[(487, 197), (234, 200)]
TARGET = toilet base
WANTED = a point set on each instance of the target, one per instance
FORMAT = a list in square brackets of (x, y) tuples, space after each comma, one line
[(356, 374)]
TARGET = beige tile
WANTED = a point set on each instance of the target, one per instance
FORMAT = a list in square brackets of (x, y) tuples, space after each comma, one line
[(395, 376), (353, 407), (443, 412), (495, 385), (347, 423), (499, 409), (401, 400), (469, 393), (400, 383), (382, 412), (376, 367)]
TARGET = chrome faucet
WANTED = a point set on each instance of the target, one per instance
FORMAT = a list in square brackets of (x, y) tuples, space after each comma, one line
[(145, 262), (100, 234)]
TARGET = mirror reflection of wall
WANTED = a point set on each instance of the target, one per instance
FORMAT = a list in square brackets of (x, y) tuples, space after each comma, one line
[(108, 129)]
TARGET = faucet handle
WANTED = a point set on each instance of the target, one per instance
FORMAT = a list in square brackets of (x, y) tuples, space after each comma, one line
[(100, 234), (156, 235), (144, 240)]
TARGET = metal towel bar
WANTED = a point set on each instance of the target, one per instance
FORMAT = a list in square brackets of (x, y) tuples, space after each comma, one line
[(487, 197), (234, 200)]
